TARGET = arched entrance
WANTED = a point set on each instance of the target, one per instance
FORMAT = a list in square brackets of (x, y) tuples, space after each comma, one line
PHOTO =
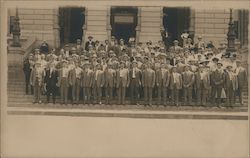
[(71, 20), (123, 22)]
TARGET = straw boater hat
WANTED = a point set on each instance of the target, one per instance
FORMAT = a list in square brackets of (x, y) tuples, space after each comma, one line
[(220, 63)]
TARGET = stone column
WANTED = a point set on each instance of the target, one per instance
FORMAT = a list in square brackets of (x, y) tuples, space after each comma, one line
[(84, 27), (138, 27), (192, 23), (109, 27), (56, 28)]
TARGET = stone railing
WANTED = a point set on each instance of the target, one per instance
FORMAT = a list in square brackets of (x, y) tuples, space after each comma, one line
[(16, 55)]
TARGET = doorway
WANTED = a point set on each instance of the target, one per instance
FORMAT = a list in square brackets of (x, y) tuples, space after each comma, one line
[(123, 22), (176, 21), (71, 21)]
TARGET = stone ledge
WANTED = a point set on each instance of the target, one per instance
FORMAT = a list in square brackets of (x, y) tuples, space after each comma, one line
[(131, 114)]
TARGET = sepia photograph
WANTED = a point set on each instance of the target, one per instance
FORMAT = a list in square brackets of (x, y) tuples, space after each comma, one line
[(98, 79)]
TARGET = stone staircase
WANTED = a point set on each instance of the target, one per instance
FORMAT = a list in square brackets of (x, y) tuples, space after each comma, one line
[(18, 98)]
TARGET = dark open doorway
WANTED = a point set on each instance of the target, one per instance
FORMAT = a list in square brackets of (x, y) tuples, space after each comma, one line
[(123, 22), (176, 21), (71, 21)]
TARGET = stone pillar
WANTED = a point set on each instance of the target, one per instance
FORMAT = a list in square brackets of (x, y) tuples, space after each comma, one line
[(84, 27), (192, 23), (138, 27), (56, 28), (150, 24), (109, 27)]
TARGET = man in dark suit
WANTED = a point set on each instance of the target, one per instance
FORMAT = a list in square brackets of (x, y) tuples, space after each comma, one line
[(217, 82), (27, 68), (175, 85), (148, 83), (135, 83), (50, 81), (162, 82), (231, 85), (44, 48), (188, 79), (89, 42), (110, 80), (242, 79)]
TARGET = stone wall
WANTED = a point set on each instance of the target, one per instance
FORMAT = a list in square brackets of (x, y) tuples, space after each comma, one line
[(211, 24), (38, 23)]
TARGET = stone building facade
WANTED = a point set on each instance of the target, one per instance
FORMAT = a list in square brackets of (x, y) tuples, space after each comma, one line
[(212, 24)]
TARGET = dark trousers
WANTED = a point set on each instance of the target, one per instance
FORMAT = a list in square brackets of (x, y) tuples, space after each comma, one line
[(121, 92), (109, 94), (187, 93), (202, 95), (87, 95), (27, 84), (230, 95), (51, 90), (134, 92), (64, 91), (162, 93), (76, 91), (216, 90), (175, 96), (148, 92), (239, 93), (37, 91)]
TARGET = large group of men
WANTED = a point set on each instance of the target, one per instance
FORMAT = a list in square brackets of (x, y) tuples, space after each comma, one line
[(112, 72)]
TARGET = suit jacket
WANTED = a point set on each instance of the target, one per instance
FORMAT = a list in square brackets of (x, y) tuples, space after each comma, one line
[(51, 78), (110, 78), (72, 77), (148, 78), (137, 76), (122, 81), (40, 73), (228, 82), (205, 82), (162, 81), (242, 77), (188, 79), (60, 78), (178, 83), (99, 79), (88, 78), (88, 43), (217, 78)]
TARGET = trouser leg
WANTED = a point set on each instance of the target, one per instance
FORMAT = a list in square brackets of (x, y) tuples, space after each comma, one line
[(119, 90), (159, 92), (164, 92), (150, 94), (145, 95), (189, 95), (123, 94)]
